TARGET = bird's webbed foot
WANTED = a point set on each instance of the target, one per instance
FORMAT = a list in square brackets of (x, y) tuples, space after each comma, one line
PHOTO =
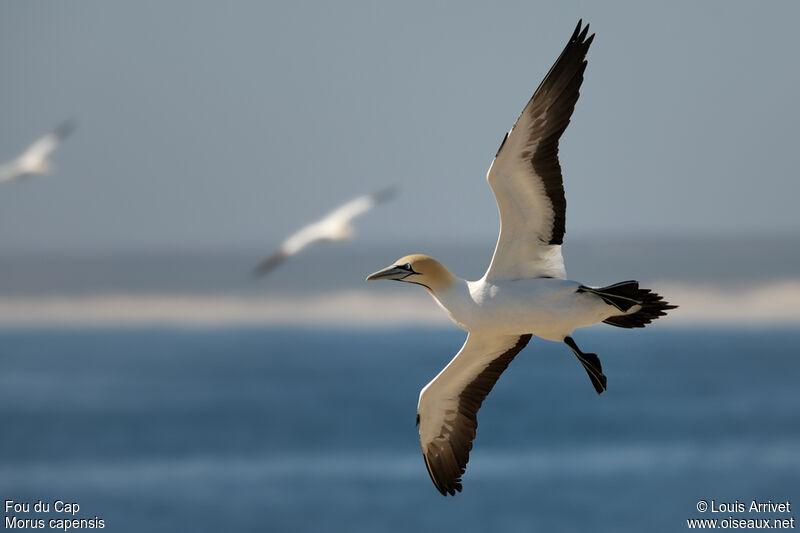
[(591, 363)]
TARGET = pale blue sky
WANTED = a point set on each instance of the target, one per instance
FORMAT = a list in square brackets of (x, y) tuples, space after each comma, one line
[(228, 124)]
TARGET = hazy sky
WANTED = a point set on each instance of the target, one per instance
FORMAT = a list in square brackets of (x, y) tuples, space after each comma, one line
[(228, 124)]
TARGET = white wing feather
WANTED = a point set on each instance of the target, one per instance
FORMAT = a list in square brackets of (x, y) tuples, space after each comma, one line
[(525, 175)]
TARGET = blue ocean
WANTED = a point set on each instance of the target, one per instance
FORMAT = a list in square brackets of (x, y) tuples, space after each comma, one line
[(307, 429)]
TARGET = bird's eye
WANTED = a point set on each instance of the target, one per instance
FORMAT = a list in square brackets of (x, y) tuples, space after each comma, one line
[(407, 266)]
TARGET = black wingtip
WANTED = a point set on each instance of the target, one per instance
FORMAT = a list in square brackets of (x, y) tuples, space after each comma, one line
[(580, 33), (257, 273), (436, 483), (65, 128), (577, 30), (585, 31), (385, 194), (268, 264)]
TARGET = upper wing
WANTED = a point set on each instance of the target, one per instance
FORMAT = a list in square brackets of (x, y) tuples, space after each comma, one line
[(45, 145), (358, 206), (292, 245), (526, 176), (448, 405)]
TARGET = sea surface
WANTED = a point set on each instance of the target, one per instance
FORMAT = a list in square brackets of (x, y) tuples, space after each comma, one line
[(311, 429)]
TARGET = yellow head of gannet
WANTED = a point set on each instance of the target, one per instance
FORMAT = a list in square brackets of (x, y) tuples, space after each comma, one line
[(420, 269)]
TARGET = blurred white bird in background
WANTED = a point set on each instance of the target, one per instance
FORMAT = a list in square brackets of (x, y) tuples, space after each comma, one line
[(335, 226), (35, 160)]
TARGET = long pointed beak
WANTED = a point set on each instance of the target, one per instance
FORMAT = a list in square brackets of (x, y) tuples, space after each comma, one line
[(391, 272)]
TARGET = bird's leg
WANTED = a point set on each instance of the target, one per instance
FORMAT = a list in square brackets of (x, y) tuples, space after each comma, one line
[(591, 363)]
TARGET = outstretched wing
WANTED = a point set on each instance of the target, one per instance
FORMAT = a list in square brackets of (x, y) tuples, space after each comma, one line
[(448, 405), (302, 238), (358, 206), (526, 175), (45, 145)]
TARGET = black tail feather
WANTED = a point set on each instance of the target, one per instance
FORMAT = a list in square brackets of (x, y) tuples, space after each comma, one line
[(625, 295)]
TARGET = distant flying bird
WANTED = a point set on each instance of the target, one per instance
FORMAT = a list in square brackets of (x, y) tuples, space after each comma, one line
[(335, 226), (525, 291), (35, 160)]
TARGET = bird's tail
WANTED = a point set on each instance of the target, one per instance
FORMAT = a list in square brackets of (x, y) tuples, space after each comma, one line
[(624, 296)]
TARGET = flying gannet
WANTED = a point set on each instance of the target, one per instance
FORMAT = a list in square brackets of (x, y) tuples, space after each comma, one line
[(525, 291), (335, 226), (35, 160)]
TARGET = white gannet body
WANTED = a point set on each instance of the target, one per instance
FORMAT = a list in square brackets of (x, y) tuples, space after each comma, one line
[(335, 226), (524, 291), (35, 160)]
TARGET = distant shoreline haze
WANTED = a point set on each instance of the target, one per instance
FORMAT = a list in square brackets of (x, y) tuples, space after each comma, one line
[(715, 281), (713, 261)]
